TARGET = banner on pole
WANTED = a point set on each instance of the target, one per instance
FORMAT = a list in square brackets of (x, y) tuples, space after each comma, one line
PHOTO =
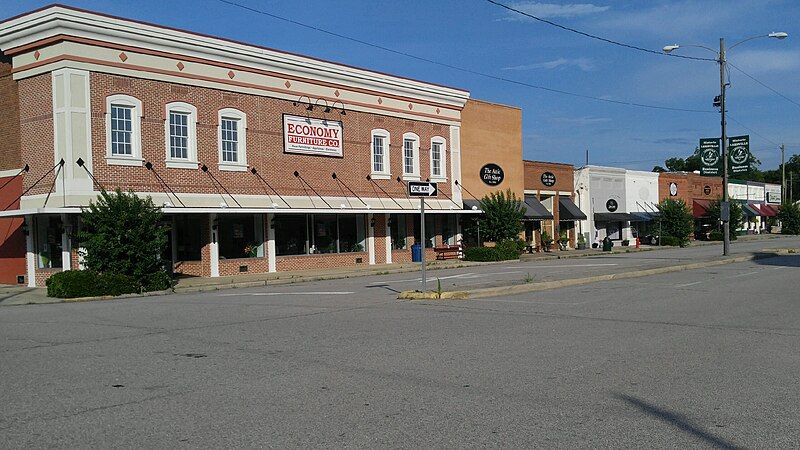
[(710, 157), (738, 154)]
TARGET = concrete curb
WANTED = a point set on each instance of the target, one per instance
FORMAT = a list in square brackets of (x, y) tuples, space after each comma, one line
[(525, 288), (430, 295)]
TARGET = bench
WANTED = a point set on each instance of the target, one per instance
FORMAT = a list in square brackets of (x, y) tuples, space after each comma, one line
[(448, 252)]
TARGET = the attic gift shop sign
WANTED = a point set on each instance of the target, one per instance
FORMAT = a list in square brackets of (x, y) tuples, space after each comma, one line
[(312, 136), (492, 174)]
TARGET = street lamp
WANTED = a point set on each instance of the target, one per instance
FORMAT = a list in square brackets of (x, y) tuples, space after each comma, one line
[(725, 216)]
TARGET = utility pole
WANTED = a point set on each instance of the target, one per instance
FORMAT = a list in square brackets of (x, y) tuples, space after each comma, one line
[(783, 174), (726, 220)]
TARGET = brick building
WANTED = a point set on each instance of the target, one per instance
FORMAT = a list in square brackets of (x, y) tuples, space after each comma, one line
[(551, 186), (261, 160)]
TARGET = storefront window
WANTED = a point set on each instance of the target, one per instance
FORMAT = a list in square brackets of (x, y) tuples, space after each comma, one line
[(189, 236), (291, 234), (449, 229), (48, 242), (351, 233), (399, 231), (241, 236), (324, 237), (430, 230)]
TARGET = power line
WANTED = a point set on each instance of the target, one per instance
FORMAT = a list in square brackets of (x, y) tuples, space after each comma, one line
[(461, 69), (763, 84), (594, 36), (753, 131)]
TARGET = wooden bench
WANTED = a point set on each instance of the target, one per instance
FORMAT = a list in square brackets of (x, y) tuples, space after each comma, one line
[(448, 252)]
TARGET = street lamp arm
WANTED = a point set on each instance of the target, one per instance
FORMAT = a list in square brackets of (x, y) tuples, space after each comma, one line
[(670, 48), (774, 34)]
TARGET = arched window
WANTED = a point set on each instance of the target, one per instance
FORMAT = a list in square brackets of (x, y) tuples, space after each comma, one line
[(123, 130), (380, 154), (410, 156), (180, 134), (438, 158), (232, 140)]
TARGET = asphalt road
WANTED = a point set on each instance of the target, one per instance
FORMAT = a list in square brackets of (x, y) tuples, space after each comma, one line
[(703, 358)]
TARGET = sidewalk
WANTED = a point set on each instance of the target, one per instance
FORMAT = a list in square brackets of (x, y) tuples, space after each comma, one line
[(19, 295)]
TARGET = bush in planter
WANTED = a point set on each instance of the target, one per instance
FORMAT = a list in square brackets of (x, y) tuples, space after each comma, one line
[(581, 241), (481, 254), (670, 241), (502, 251), (546, 241), (789, 216), (502, 216), (676, 221), (715, 235), (87, 283)]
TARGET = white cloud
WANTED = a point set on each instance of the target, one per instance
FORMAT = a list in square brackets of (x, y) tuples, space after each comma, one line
[(765, 61), (584, 64), (580, 121), (551, 10)]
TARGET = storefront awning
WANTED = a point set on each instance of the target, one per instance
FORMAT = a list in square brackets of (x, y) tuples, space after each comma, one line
[(644, 216), (768, 210), (613, 217), (472, 205), (700, 208), (750, 211), (568, 210), (533, 209)]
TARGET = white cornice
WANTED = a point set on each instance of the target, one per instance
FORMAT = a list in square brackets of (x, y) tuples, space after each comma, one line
[(58, 20)]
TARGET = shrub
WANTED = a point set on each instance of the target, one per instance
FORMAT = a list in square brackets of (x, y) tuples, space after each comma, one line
[(502, 216), (676, 221), (670, 241), (87, 283), (737, 216), (789, 216), (505, 250), (715, 235)]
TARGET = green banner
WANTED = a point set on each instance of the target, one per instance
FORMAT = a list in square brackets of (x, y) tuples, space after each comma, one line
[(710, 157), (738, 154)]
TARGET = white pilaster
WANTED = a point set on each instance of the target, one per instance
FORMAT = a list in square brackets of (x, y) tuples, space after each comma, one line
[(388, 239), (213, 245), (30, 255), (271, 243), (66, 254), (371, 238), (455, 163)]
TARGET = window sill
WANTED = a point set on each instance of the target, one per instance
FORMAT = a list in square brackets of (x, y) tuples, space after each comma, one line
[(181, 164), (411, 178), (381, 176), (232, 167), (439, 179), (123, 161)]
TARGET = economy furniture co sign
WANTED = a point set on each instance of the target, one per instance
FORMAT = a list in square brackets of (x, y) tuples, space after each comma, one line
[(309, 136)]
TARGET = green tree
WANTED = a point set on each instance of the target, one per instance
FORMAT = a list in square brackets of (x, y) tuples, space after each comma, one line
[(737, 216), (502, 216), (789, 216), (124, 234), (676, 220), (675, 164)]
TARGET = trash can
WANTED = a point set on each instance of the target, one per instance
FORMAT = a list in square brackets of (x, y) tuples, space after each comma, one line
[(607, 244), (416, 253)]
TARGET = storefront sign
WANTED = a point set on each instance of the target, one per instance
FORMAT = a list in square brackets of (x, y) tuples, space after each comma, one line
[(739, 154), (548, 179), (673, 189), (710, 156), (773, 193), (707, 190), (312, 136), (611, 205), (492, 174)]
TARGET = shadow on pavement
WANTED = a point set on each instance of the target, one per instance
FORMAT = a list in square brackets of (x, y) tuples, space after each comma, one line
[(771, 259), (678, 421)]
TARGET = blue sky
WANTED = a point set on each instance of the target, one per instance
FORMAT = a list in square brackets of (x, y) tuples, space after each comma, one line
[(483, 37)]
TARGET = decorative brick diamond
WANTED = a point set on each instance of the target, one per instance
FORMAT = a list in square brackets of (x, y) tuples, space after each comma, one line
[(410, 106), (180, 66), (336, 93), (123, 56), (438, 110), (380, 101), (287, 84), (231, 74), (36, 55)]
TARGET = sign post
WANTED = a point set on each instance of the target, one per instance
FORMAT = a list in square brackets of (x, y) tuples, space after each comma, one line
[(422, 189)]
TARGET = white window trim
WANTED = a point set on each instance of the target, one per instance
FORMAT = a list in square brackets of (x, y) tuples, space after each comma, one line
[(386, 173), (414, 176), (135, 159), (190, 162), (443, 157), (241, 148)]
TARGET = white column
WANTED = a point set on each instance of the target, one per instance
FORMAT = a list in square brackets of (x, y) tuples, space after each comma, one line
[(371, 238), (271, 243), (459, 234), (30, 254), (66, 254), (213, 245), (388, 239)]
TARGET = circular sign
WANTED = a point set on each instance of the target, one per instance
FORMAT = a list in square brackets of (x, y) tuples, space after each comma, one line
[(739, 155), (492, 174), (710, 157), (673, 189), (611, 205), (707, 190), (548, 179)]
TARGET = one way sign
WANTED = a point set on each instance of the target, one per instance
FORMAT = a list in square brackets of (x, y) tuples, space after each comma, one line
[(422, 189)]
